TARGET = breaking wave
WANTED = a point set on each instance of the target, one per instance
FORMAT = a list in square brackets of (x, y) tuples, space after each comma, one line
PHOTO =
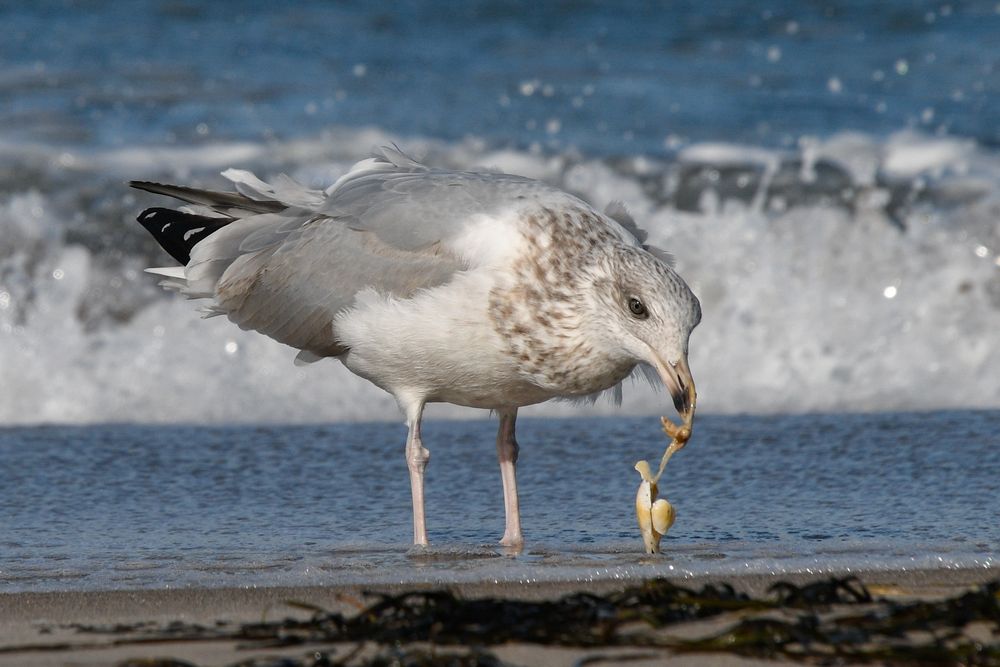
[(851, 273)]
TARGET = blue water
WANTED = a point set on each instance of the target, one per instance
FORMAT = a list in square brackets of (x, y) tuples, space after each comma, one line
[(122, 506), (828, 176), (605, 78)]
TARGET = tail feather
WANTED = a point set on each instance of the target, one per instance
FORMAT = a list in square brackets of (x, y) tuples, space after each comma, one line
[(178, 232), (228, 203)]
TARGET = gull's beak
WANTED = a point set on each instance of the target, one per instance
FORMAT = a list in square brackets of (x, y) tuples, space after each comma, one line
[(677, 379)]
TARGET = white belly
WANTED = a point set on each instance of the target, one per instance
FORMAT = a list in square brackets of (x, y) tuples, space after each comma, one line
[(438, 346)]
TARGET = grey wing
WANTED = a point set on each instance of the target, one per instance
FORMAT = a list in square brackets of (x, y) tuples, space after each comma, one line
[(410, 206), (387, 225), (293, 291)]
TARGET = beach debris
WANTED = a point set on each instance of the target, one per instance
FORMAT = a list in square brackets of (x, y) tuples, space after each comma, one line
[(827, 621), (656, 515)]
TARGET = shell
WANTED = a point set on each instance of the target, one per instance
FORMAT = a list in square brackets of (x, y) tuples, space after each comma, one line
[(663, 516), (655, 516)]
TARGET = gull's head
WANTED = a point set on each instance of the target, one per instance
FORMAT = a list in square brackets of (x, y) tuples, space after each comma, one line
[(647, 310)]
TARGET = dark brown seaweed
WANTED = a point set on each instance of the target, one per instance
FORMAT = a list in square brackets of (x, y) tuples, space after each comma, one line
[(833, 621)]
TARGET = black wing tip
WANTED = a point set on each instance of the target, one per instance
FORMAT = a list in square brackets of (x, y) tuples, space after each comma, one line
[(146, 217), (178, 232), (157, 221)]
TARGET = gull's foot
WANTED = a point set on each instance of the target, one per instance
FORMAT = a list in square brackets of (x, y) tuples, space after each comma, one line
[(513, 542)]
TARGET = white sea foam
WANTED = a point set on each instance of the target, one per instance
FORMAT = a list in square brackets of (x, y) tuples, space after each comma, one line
[(883, 297)]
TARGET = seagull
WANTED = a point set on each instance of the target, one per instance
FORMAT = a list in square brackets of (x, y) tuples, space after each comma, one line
[(476, 288)]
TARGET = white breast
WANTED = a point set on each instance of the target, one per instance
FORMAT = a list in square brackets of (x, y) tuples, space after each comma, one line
[(438, 346)]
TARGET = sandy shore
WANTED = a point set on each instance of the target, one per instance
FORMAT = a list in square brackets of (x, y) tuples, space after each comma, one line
[(45, 628)]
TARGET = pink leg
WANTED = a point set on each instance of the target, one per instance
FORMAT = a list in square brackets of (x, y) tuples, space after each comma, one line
[(416, 461), (507, 449)]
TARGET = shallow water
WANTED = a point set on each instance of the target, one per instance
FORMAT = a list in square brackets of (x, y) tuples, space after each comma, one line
[(121, 506)]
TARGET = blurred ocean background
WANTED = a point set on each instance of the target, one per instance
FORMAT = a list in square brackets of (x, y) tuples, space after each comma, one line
[(827, 174)]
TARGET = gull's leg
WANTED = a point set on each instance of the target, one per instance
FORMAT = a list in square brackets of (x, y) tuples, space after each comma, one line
[(507, 449), (416, 461)]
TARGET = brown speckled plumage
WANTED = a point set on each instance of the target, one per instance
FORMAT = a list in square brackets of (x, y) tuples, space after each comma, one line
[(537, 312)]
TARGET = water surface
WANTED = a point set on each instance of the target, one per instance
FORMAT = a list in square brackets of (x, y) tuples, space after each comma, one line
[(122, 506)]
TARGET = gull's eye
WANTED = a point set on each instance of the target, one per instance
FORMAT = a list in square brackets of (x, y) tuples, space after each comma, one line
[(637, 308)]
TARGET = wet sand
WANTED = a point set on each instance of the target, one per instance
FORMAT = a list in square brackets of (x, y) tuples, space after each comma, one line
[(44, 628)]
